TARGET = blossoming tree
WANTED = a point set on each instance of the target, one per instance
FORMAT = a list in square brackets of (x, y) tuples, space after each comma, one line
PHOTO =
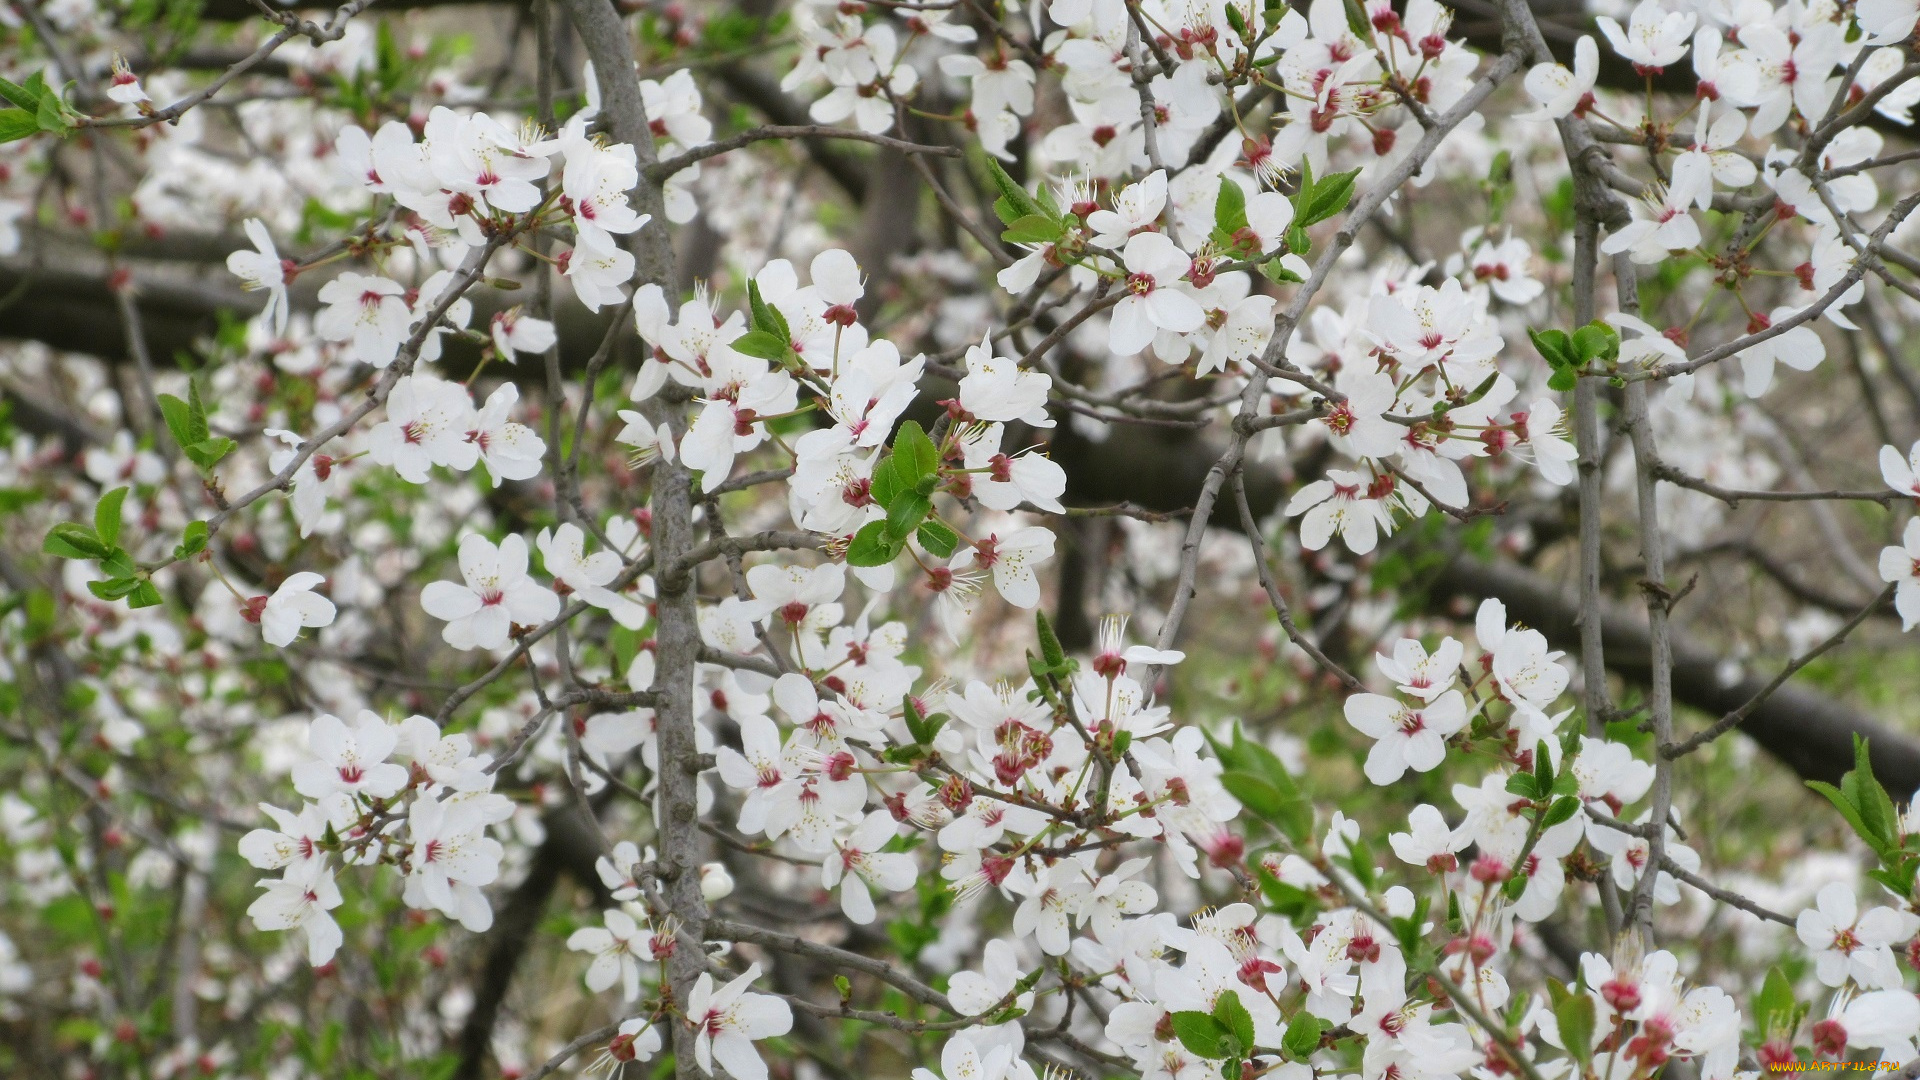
[(1105, 537)]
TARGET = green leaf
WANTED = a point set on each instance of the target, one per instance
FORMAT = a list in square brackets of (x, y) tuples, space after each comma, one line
[(872, 546), (905, 515), (1303, 1036), (1775, 1011), (20, 95), (197, 413), (1033, 229), (1523, 785), (915, 456), (1235, 1018), (1876, 807), (119, 564), (1562, 809), (1499, 184), (1044, 195), (916, 723), (72, 540), (113, 589), (1357, 21), (1238, 22), (50, 116), (194, 542), (1278, 273), (1834, 795), (208, 453), (1596, 341), (1229, 209), (1010, 190), (1292, 814), (1542, 768), (17, 124), (1199, 1033), (179, 417), (1359, 859), (1555, 347), (1562, 380), (106, 516), (763, 345), (1051, 651), (1260, 797), (1329, 197), (904, 755), (939, 539), (887, 484), (1576, 1017), (766, 318)]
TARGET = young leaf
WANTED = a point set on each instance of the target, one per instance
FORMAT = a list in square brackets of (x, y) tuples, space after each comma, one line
[(17, 124), (763, 345), (1229, 211), (197, 415), (1294, 816), (1555, 347), (20, 95), (179, 417), (887, 483), (1523, 785), (1562, 809), (72, 540), (905, 515), (1775, 1009), (1238, 23), (766, 318), (1357, 22), (50, 116), (1876, 807), (106, 516), (1033, 229), (1576, 1017), (1834, 795), (916, 724), (113, 589), (1199, 1033), (1050, 650), (207, 453), (193, 542), (939, 539), (1011, 191), (1596, 341), (914, 454), (1235, 1018), (1303, 1036), (1258, 797), (1330, 196), (872, 546)]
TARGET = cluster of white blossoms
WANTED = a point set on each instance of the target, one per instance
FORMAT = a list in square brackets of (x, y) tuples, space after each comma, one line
[(844, 759), (1157, 262), (402, 794)]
